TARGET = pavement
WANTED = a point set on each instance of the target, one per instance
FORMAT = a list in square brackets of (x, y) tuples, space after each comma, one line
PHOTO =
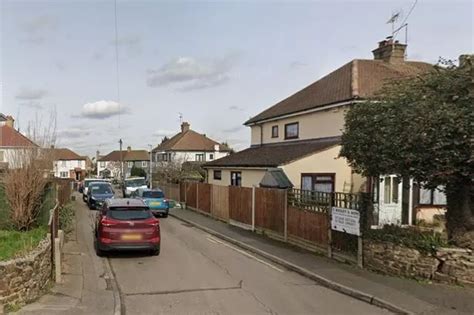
[(396, 294), (196, 273)]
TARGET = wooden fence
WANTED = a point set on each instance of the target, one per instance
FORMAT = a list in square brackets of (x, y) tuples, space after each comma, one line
[(296, 216)]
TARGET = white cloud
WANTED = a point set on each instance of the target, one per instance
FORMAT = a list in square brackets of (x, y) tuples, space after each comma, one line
[(102, 110), (191, 73), (27, 93), (39, 28)]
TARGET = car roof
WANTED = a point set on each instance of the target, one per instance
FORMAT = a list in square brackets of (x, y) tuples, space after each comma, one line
[(126, 203), (96, 180), (101, 183)]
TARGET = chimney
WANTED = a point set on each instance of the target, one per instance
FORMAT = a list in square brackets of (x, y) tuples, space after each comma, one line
[(129, 148), (390, 51), (184, 126), (216, 147), (10, 121)]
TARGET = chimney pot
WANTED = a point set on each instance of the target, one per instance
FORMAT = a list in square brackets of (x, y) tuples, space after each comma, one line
[(10, 121), (129, 148), (390, 51), (185, 126)]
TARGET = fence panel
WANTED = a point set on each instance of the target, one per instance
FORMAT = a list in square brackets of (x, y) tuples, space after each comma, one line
[(204, 197), (309, 225), (171, 191), (182, 191), (270, 209), (240, 204), (191, 197), (220, 202)]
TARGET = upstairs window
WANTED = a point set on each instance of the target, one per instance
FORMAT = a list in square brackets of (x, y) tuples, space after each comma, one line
[(199, 157), (235, 178), (274, 131), (144, 163), (292, 131), (211, 156)]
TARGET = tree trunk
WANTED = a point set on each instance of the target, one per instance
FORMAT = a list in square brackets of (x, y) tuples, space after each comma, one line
[(460, 214)]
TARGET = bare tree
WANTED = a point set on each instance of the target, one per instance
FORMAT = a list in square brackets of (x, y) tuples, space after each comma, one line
[(30, 169)]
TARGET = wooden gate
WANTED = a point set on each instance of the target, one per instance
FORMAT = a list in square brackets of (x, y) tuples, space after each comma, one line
[(220, 202), (240, 204)]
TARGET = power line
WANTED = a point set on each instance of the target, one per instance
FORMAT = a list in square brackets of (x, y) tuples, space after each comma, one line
[(403, 24), (117, 63)]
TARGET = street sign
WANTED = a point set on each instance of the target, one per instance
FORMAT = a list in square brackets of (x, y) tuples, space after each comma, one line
[(345, 220)]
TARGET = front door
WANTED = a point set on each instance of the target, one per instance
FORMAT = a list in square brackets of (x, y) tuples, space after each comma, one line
[(390, 200)]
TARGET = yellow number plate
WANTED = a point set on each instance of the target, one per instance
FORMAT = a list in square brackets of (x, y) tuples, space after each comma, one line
[(155, 203), (131, 237)]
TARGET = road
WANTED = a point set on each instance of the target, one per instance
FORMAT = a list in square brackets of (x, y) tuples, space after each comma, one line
[(200, 274)]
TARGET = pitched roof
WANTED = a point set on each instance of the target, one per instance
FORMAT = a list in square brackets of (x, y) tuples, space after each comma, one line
[(132, 155), (357, 79), (9, 137), (275, 154), (190, 140), (65, 154)]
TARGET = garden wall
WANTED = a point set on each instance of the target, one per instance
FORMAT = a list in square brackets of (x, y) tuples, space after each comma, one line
[(449, 265), (23, 279)]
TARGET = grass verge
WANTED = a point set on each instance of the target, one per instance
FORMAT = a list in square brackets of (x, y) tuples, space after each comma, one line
[(16, 243)]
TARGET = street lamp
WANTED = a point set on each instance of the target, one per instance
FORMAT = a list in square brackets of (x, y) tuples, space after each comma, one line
[(121, 161)]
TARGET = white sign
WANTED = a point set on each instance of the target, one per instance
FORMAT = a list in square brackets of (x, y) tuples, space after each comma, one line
[(345, 220)]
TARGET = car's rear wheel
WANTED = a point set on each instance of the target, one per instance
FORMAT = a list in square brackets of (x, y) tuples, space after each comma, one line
[(156, 251), (165, 215), (99, 252)]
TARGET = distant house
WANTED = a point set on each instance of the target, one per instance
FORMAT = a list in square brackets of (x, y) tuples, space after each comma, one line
[(12, 143), (68, 164), (300, 135), (109, 165), (189, 146)]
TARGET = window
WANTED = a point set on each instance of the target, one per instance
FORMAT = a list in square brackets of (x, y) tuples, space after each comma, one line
[(199, 157), (236, 178), (165, 156), (217, 174), (102, 164), (274, 131), (144, 163), (391, 189), (323, 182), (434, 197), (211, 156), (2, 156), (292, 131), (64, 174), (63, 163), (79, 163), (130, 164)]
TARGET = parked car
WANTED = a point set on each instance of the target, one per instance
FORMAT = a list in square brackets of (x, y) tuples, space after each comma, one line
[(131, 184), (154, 199), (126, 224), (85, 186), (97, 193)]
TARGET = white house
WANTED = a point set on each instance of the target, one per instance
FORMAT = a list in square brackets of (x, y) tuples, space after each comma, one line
[(189, 146), (12, 142), (68, 164), (109, 165)]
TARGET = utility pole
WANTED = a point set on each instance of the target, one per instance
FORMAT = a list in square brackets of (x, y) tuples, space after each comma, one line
[(151, 166), (121, 161)]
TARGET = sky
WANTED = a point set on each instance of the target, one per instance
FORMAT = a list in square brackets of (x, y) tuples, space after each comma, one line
[(213, 64)]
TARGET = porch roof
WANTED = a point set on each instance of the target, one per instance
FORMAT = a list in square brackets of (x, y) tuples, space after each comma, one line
[(274, 155)]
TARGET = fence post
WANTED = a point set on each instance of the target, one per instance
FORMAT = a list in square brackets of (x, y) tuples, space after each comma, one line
[(329, 217), (285, 231), (57, 259), (185, 194), (253, 208), (197, 196), (360, 252)]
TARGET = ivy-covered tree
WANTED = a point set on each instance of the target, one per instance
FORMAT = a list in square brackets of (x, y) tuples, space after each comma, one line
[(422, 128)]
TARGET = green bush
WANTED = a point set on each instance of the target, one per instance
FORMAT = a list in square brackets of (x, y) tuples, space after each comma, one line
[(425, 241), (66, 218)]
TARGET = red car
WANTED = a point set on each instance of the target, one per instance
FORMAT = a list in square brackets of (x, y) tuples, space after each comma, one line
[(126, 224)]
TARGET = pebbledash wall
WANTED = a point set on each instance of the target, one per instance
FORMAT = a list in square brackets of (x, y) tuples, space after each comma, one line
[(23, 279), (448, 265)]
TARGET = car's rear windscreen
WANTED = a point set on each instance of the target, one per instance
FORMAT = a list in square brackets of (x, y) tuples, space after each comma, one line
[(153, 194), (129, 214)]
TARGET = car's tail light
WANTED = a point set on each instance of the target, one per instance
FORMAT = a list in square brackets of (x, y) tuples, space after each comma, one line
[(107, 222), (153, 222)]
